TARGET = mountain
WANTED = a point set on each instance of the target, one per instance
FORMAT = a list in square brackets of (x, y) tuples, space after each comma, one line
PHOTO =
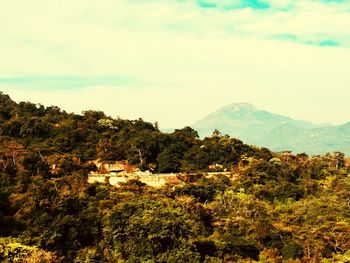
[(278, 132), (246, 122)]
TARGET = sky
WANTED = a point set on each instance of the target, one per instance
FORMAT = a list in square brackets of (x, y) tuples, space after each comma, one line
[(175, 61)]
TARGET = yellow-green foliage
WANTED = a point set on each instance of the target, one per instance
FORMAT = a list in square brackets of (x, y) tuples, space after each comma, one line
[(267, 207), (338, 258), (11, 250)]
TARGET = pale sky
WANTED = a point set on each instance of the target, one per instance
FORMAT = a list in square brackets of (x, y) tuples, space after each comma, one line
[(176, 61)]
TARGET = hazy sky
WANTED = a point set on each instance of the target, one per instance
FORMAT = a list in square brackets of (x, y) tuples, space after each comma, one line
[(176, 61)]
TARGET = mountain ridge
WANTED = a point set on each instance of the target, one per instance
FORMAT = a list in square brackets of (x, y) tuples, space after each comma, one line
[(275, 131)]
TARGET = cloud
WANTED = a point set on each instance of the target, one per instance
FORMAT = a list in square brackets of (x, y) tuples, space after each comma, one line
[(175, 61), (233, 4), (63, 82), (320, 41)]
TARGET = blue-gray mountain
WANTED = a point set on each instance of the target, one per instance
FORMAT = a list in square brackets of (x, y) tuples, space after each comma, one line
[(277, 132)]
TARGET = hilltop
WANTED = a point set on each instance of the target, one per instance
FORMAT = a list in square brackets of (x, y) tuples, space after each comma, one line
[(274, 131), (92, 135)]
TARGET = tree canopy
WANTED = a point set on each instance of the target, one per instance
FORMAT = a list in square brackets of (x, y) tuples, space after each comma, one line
[(267, 207)]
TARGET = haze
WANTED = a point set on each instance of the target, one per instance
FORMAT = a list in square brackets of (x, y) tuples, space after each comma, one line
[(176, 61)]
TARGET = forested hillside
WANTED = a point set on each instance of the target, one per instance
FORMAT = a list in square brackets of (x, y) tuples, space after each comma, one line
[(274, 207)]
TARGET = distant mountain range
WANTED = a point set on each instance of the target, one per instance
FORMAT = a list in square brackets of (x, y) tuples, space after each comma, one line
[(277, 132)]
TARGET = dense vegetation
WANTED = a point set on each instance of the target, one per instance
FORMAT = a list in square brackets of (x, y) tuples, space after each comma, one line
[(272, 208)]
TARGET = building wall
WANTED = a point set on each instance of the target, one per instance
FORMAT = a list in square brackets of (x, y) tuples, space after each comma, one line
[(96, 179), (151, 180), (155, 180)]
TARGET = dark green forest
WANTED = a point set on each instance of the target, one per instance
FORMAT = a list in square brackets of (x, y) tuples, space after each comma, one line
[(273, 207)]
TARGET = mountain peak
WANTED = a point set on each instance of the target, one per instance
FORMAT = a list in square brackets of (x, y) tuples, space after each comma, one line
[(243, 106), (263, 128)]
